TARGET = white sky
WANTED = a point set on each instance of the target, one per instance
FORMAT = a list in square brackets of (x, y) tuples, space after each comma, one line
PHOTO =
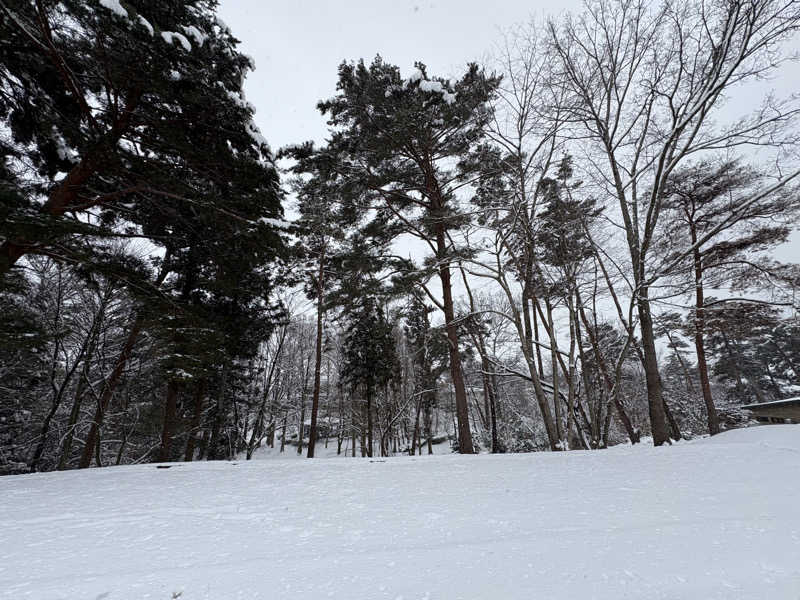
[(298, 45)]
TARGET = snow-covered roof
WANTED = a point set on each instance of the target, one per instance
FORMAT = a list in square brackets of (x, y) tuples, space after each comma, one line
[(775, 404)]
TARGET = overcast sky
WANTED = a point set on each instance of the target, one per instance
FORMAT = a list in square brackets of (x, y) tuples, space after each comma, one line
[(298, 45)]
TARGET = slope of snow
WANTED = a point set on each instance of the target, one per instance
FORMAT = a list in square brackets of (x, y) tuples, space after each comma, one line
[(716, 519), (771, 436)]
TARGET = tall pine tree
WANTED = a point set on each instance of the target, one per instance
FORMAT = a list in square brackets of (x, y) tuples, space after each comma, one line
[(399, 144)]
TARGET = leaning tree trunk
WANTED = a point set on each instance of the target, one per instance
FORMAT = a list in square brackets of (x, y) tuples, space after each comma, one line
[(57, 400), (92, 439), (91, 446), (611, 385), (94, 333)]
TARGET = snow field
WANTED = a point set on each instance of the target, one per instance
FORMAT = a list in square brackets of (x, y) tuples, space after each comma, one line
[(714, 519)]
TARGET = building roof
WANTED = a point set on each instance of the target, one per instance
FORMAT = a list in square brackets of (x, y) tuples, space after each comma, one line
[(775, 404)]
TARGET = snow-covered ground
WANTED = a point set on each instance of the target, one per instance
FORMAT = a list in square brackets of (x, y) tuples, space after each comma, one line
[(703, 520)]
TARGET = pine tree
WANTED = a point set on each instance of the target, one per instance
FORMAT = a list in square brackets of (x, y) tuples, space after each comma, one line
[(741, 337), (398, 144), (370, 358), (128, 120), (701, 198), (323, 225), (430, 357), (129, 101)]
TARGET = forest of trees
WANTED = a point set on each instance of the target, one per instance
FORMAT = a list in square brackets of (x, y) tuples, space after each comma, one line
[(568, 247)]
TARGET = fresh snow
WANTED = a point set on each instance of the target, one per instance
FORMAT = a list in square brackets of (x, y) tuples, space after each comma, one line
[(63, 151), (256, 136), (416, 75), (431, 86), (448, 97), (171, 36), (712, 519), (427, 85), (198, 36), (279, 223), (146, 24), (240, 101), (115, 7)]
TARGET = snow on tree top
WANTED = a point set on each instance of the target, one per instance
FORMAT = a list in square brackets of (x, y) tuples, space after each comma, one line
[(426, 85), (431, 86), (416, 76)]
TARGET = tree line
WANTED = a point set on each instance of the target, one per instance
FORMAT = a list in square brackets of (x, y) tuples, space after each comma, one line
[(592, 219)]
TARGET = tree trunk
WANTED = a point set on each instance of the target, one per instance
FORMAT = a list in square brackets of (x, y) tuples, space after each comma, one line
[(83, 380), (219, 415), (537, 347), (302, 424), (283, 429), (491, 402), (554, 368), (528, 350), (415, 434), (170, 418), (73, 419), (673, 424), (199, 393), (699, 343), (369, 423), (611, 386), (465, 445), (655, 401), (312, 434), (110, 385)]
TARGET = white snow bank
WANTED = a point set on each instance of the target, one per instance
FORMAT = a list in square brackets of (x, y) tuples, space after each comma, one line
[(712, 520), (786, 437)]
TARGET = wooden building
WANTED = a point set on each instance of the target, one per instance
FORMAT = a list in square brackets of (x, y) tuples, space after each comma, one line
[(780, 411)]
